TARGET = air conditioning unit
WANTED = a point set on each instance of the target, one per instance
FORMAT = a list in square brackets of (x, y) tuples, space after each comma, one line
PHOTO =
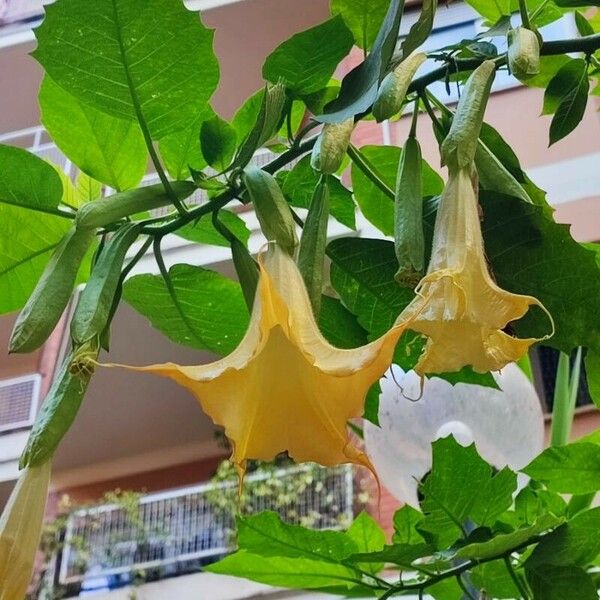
[(18, 401)]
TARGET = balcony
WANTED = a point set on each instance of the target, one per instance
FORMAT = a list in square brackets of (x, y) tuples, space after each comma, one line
[(177, 532)]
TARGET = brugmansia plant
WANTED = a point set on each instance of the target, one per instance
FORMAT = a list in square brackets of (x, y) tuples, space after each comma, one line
[(463, 289)]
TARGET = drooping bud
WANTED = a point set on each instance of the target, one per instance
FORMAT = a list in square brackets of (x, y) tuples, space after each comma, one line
[(330, 149), (523, 52)]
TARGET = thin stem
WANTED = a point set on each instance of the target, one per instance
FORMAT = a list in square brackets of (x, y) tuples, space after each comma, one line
[(524, 14), (415, 117), (513, 575), (138, 255), (359, 159), (464, 588), (565, 396)]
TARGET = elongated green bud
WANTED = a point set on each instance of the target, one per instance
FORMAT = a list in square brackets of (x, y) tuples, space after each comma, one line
[(312, 244), (523, 53), (330, 149), (51, 295), (246, 269), (56, 416), (273, 212), (114, 208), (394, 87), (460, 145), (409, 239), (95, 303), (20, 531)]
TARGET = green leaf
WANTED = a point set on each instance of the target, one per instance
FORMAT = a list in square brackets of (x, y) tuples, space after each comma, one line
[(109, 149), (268, 118), (583, 25), (571, 469), (28, 181), (566, 79), (494, 578), (265, 534), (420, 31), (359, 87), (284, 572), (86, 189), (576, 3), (218, 142), (592, 371), (447, 589), (215, 316), (203, 231), (531, 254), (149, 60), (368, 537), (363, 18), (559, 583), (502, 543), (307, 60), (339, 326), (376, 206), (26, 245), (572, 543), (181, 150), (549, 67), (459, 487), (405, 521), (371, 412), (572, 103), (300, 183), (492, 11)]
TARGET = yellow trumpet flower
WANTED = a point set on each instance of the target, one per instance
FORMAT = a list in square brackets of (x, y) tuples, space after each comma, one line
[(460, 308), (20, 531), (285, 388)]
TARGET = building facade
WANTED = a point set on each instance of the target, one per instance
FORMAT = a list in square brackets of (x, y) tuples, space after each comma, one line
[(147, 435)]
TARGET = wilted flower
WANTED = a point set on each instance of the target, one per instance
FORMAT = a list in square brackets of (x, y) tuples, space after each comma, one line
[(285, 388), (460, 308), (20, 531)]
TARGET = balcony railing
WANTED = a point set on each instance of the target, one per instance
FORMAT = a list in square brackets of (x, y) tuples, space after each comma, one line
[(180, 530), (18, 402)]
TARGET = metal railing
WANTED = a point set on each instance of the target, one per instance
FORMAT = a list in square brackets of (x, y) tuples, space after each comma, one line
[(18, 401), (171, 529)]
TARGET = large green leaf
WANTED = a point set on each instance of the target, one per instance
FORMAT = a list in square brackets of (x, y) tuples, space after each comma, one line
[(359, 87), (210, 312), (459, 487), (339, 325), (109, 149), (573, 543), (369, 537), (548, 582), (493, 10), (265, 534), (26, 244), (363, 18), (150, 60), (405, 521), (181, 150), (502, 543), (494, 578), (377, 206), (218, 142), (26, 180), (300, 183), (572, 469), (203, 231), (420, 31), (531, 254), (398, 554), (308, 59), (592, 371), (285, 572)]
